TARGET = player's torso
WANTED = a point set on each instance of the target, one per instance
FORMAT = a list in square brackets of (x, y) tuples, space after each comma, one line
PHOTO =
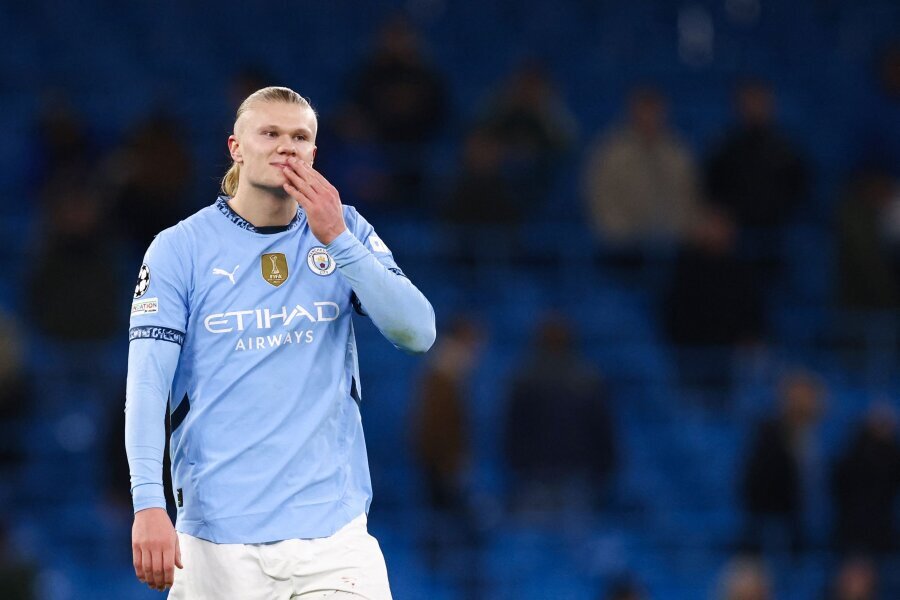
[(263, 295)]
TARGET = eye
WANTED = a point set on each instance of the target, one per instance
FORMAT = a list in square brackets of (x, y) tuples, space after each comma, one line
[(300, 138), (269, 134)]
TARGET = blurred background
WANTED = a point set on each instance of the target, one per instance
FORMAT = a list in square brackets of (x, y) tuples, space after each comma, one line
[(662, 239)]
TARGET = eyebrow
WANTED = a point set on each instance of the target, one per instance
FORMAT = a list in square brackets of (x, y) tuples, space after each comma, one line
[(276, 127)]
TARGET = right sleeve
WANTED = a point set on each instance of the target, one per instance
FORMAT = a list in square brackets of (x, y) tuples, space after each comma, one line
[(159, 314), (151, 367)]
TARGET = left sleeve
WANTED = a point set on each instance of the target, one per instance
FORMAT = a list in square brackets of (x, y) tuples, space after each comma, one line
[(399, 310)]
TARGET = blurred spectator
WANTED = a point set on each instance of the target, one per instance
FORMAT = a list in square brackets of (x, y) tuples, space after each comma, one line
[(868, 264), (778, 464), (625, 588), (17, 576), (856, 579), (481, 205), (442, 446), (16, 393), (441, 421), (403, 97), (744, 579), (756, 175), (640, 179), (866, 482), (534, 128), (244, 82), (62, 141), (880, 139), (715, 298), (151, 178), (560, 440), (73, 288), (351, 158)]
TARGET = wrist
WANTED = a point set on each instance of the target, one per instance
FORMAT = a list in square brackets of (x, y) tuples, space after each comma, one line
[(334, 234)]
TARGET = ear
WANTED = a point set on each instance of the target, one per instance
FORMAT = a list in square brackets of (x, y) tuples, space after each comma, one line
[(234, 148), (315, 149)]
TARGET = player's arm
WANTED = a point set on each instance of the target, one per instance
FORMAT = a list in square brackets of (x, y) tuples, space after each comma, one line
[(158, 320), (151, 367), (399, 310)]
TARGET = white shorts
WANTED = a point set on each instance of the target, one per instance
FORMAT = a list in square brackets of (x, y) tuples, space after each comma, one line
[(348, 564)]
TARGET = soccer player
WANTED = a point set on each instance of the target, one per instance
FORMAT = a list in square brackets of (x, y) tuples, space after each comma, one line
[(241, 320)]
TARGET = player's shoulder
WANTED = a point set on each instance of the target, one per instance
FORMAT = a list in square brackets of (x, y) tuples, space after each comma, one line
[(356, 223), (350, 214), (180, 237)]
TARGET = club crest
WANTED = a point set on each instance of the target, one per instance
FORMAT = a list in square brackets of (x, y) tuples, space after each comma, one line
[(274, 268), (320, 262)]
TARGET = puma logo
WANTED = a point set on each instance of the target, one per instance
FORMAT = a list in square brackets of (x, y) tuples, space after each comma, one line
[(230, 276)]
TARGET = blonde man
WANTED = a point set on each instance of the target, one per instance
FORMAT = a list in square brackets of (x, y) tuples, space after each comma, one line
[(242, 320)]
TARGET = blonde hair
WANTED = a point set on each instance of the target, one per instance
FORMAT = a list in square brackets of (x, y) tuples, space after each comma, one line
[(266, 94)]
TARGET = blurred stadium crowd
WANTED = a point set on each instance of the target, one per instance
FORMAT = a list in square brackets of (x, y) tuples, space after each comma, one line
[(662, 240)]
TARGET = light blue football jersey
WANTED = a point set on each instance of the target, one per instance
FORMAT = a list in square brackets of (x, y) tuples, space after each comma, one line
[(248, 332)]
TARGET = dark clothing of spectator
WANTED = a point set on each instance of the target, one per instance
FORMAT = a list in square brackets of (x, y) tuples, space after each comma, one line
[(151, 176), (771, 481), (771, 490), (867, 271), (482, 199), (403, 101), (715, 299), (403, 97), (73, 287), (441, 424), (558, 425), (866, 482), (482, 208), (62, 305), (757, 177), (442, 437), (535, 130), (16, 396)]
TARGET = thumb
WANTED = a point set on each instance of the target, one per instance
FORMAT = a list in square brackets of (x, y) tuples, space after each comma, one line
[(178, 554)]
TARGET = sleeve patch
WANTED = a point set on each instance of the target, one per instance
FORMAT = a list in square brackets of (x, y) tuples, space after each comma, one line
[(147, 306), (143, 281), (377, 245), (153, 332)]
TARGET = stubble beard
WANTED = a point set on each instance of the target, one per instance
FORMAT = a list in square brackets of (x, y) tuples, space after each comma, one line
[(276, 191)]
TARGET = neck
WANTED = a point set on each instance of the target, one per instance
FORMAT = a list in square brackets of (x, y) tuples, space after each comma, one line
[(263, 207)]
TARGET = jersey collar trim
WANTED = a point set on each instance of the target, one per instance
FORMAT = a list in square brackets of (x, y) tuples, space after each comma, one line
[(225, 209)]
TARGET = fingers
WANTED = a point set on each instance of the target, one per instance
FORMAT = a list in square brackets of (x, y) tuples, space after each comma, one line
[(298, 188), (138, 562), (159, 570), (304, 174), (168, 568), (299, 182), (318, 179), (156, 569), (147, 568)]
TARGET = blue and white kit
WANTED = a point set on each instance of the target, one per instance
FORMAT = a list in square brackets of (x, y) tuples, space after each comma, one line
[(245, 333)]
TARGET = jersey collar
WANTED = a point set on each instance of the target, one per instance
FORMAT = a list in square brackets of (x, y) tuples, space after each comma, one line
[(225, 209)]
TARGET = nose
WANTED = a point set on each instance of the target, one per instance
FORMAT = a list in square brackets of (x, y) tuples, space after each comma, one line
[(287, 147)]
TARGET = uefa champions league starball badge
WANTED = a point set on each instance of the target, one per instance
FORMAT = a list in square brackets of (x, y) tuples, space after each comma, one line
[(143, 281)]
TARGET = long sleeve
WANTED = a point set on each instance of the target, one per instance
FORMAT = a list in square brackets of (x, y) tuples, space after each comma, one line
[(151, 368), (399, 310)]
